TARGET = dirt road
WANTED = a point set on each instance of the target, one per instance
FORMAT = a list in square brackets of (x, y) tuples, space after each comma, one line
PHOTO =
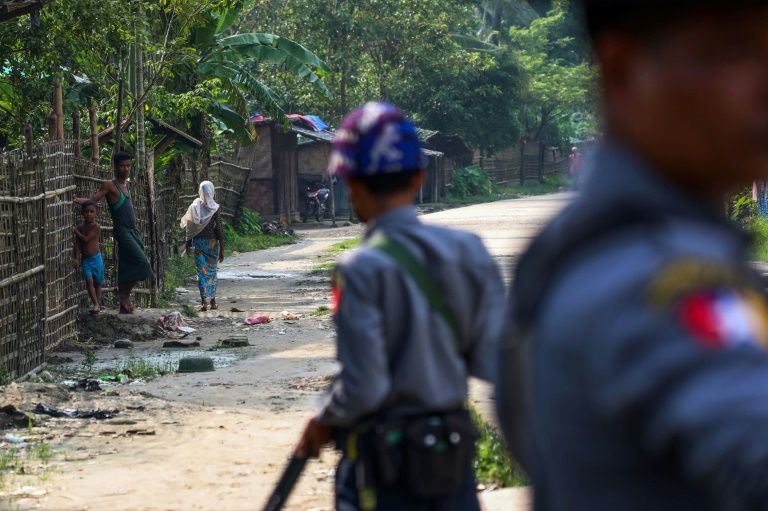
[(219, 439)]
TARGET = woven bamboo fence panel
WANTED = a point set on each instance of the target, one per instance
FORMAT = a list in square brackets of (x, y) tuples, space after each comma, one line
[(22, 268), (176, 189), (63, 287), (230, 180), (41, 293)]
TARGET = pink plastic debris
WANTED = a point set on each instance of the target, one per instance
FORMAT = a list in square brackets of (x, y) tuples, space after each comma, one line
[(257, 320)]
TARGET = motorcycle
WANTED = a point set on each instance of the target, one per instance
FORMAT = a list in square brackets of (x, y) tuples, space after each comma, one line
[(315, 200)]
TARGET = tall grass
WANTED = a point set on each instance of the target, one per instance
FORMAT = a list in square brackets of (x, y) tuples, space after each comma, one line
[(327, 261), (234, 241), (139, 368), (178, 271), (759, 229), (492, 463), (479, 190)]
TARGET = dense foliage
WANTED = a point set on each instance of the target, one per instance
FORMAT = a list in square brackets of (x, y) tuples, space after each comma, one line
[(491, 71), (195, 67), (471, 182)]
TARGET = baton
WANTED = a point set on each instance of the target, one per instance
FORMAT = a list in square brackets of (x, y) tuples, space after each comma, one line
[(285, 485)]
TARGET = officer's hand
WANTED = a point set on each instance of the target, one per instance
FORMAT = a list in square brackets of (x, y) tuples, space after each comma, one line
[(314, 438)]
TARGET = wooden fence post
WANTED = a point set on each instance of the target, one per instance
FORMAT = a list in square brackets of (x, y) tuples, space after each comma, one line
[(542, 156), (52, 126), (94, 134), (152, 221), (58, 106), (28, 139), (76, 132), (43, 306)]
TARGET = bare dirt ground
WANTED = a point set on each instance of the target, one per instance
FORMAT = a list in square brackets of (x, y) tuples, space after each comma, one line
[(218, 440)]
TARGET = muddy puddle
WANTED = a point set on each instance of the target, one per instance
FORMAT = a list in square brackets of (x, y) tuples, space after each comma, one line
[(167, 360)]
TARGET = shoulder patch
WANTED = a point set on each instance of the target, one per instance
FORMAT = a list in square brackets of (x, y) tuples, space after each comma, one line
[(717, 304), (724, 318), (685, 276)]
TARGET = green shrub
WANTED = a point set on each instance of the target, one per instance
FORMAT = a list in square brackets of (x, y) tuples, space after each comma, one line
[(470, 182), (235, 241), (249, 222), (178, 272), (743, 208), (492, 463), (327, 261), (139, 368), (759, 230)]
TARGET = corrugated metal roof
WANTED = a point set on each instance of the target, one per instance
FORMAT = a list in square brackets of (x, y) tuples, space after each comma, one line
[(425, 135), (322, 136)]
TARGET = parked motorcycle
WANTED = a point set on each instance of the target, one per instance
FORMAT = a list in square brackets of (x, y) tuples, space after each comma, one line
[(315, 201)]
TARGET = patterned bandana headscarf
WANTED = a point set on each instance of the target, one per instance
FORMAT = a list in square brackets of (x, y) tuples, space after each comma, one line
[(376, 139)]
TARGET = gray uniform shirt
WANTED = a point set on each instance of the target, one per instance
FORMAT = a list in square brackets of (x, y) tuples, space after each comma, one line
[(396, 353), (649, 379)]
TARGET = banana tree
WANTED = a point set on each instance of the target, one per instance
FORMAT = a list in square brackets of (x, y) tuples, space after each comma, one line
[(231, 62)]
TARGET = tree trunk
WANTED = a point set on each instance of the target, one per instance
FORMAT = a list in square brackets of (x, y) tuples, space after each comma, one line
[(76, 132), (94, 134), (58, 107), (496, 25), (28, 139), (145, 168), (52, 125), (205, 150), (542, 149), (119, 118)]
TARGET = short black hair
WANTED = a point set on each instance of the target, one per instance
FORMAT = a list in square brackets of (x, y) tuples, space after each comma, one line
[(87, 204), (383, 185), (646, 17), (120, 156)]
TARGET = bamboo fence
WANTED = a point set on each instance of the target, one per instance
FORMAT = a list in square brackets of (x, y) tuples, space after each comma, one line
[(41, 292)]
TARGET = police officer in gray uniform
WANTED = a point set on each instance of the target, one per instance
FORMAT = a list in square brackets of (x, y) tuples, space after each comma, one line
[(639, 332), (419, 309)]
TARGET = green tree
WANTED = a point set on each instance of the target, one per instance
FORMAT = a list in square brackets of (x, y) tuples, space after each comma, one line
[(478, 100), (402, 51), (225, 62), (558, 102), (198, 66)]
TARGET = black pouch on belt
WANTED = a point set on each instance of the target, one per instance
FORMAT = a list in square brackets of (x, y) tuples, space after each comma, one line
[(387, 446), (439, 451)]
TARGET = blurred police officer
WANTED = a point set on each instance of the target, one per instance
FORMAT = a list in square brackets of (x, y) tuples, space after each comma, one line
[(638, 328), (419, 310)]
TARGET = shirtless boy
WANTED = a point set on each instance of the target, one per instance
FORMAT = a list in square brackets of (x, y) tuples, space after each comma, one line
[(88, 254)]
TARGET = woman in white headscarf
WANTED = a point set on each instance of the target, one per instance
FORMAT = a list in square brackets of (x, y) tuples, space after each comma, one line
[(205, 239)]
